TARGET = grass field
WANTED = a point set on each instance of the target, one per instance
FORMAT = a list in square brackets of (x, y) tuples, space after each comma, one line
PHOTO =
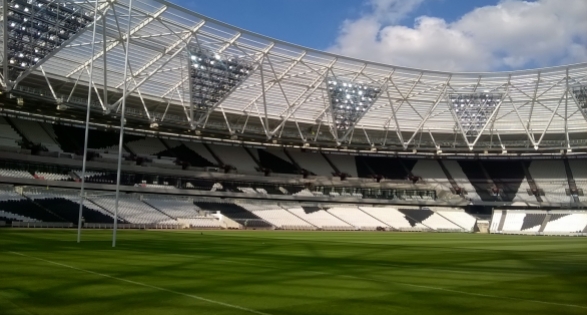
[(272, 272)]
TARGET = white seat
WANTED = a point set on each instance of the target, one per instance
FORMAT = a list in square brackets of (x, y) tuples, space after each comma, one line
[(15, 173), (320, 218), (175, 208), (37, 133), (356, 217), (132, 210), (147, 146), (277, 216)]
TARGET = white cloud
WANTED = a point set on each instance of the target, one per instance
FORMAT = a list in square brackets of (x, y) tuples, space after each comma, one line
[(513, 34), (392, 11)]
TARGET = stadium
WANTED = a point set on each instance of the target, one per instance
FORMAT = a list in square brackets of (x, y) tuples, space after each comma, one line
[(156, 160)]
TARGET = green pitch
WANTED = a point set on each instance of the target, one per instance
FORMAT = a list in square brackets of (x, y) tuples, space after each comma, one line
[(277, 273)]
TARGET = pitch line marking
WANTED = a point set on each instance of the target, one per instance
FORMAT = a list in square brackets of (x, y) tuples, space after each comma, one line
[(146, 285), (318, 272), (466, 293), (256, 265), (427, 287)]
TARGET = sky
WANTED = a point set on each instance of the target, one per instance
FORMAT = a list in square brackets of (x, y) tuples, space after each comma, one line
[(451, 35)]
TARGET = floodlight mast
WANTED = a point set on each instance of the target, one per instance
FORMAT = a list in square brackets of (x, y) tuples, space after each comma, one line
[(87, 131), (122, 123)]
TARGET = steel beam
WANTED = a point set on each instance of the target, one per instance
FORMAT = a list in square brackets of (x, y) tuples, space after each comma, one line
[(567, 110), (491, 118), (48, 83), (264, 100), (549, 121), (533, 102), (425, 119), (311, 88), (184, 38), (5, 83), (125, 37), (136, 86), (105, 58)]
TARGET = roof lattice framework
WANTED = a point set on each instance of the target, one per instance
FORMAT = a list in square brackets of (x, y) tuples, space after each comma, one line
[(288, 87)]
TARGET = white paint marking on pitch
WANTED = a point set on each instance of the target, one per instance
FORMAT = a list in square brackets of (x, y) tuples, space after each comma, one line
[(381, 265), (466, 293), (146, 285), (317, 272), (257, 265), (424, 287)]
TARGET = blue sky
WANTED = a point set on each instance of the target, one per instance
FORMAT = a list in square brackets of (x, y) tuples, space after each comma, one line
[(454, 35), (321, 19), (312, 23)]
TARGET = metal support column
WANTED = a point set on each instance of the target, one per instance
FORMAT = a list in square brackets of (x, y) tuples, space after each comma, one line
[(105, 62), (87, 131), (267, 129), (122, 124), (190, 85), (567, 91), (5, 39)]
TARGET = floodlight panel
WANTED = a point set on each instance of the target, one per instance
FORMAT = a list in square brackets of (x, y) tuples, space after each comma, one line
[(349, 102), (474, 110), (36, 27), (580, 92)]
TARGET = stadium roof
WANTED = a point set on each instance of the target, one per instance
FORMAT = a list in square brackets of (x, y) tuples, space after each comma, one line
[(290, 89)]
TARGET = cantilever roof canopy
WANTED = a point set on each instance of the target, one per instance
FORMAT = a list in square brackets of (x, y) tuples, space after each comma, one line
[(289, 85)]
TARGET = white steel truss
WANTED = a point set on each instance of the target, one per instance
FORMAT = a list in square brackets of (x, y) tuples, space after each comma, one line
[(286, 95)]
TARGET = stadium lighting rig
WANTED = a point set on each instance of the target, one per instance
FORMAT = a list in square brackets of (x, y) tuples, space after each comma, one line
[(349, 102), (474, 110), (580, 93), (37, 27), (213, 77)]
